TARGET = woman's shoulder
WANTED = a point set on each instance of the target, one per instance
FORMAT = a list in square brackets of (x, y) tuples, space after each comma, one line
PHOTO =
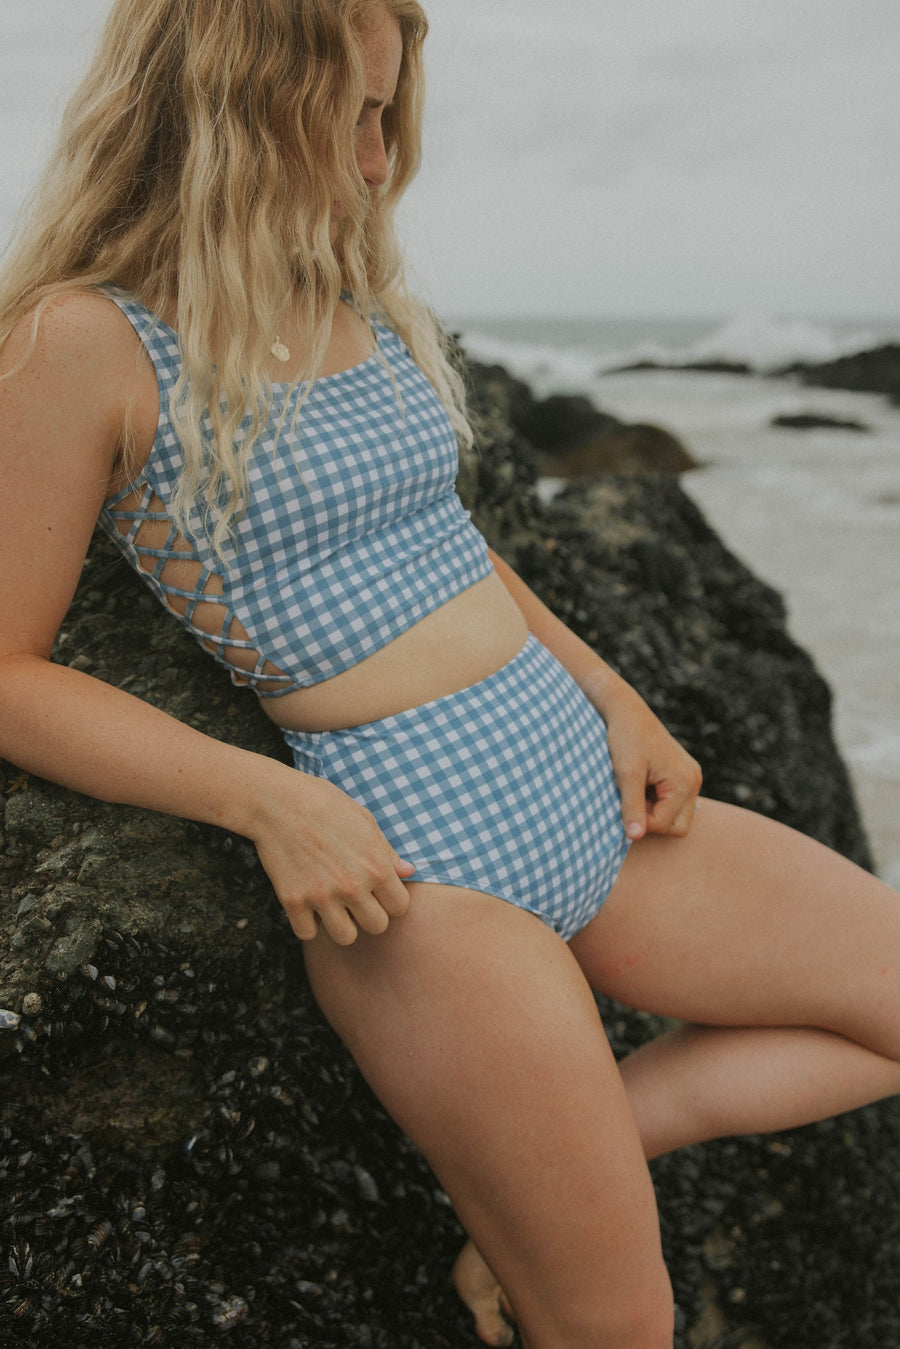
[(73, 366), (76, 332)]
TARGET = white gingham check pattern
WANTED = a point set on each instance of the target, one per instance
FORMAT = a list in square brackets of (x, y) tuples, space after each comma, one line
[(353, 531), (506, 787)]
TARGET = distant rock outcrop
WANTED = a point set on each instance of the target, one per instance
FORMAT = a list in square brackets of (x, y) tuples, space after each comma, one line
[(816, 421), (876, 370), (186, 1151), (712, 366)]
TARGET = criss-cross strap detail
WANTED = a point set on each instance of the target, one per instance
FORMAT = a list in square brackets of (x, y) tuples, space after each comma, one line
[(191, 589)]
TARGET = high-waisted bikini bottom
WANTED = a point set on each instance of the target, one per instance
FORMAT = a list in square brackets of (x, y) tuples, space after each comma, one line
[(505, 787)]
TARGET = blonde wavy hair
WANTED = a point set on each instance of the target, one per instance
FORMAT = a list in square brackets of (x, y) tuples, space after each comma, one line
[(197, 167)]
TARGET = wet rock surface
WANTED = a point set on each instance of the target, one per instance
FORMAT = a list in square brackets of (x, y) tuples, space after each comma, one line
[(187, 1154)]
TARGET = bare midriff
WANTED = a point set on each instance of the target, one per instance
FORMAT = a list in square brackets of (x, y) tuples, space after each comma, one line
[(464, 641)]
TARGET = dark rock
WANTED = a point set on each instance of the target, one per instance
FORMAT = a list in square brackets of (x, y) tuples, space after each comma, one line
[(574, 438), (874, 371), (637, 448), (186, 1150), (564, 423), (710, 367), (814, 421)]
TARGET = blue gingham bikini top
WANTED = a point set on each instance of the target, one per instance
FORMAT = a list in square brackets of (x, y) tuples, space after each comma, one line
[(352, 533)]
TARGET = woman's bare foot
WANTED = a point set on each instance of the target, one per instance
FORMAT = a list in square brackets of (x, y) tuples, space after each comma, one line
[(484, 1297)]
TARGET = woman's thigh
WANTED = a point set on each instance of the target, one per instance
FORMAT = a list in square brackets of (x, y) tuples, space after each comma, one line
[(747, 922), (475, 1027)]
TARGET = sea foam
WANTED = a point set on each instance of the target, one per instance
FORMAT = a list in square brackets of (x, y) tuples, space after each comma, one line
[(569, 356)]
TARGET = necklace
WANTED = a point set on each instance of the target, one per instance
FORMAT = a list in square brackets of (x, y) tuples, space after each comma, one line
[(280, 351)]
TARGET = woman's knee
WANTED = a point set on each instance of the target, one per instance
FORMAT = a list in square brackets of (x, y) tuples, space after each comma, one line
[(611, 1317), (648, 1325)]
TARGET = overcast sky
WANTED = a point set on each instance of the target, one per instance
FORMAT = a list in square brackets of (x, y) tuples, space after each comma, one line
[(658, 157)]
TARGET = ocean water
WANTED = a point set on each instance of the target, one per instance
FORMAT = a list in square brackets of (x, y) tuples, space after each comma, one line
[(815, 513)]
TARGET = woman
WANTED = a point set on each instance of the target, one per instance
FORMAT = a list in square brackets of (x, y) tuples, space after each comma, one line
[(206, 344)]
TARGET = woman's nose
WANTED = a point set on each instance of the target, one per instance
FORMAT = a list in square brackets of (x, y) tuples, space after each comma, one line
[(371, 157)]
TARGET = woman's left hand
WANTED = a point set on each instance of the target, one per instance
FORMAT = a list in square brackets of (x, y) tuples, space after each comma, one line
[(658, 780)]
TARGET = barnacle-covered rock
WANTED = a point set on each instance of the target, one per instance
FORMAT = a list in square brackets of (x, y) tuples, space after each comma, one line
[(187, 1153)]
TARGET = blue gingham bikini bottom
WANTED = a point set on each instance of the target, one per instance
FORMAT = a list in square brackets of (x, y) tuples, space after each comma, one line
[(505, 787)]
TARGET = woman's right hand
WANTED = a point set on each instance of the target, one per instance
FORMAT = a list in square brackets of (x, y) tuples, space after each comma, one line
[(328, 861)]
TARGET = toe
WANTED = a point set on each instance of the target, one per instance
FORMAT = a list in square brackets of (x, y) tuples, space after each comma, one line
[(482, 1294)]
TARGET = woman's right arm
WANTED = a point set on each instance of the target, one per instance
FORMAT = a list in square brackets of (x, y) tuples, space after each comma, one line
[(62, 412)]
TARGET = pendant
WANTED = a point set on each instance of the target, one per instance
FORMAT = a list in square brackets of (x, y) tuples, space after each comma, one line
[(280, 351)]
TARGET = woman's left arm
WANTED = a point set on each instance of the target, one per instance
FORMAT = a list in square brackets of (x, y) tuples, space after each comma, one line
[(658, 780)]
